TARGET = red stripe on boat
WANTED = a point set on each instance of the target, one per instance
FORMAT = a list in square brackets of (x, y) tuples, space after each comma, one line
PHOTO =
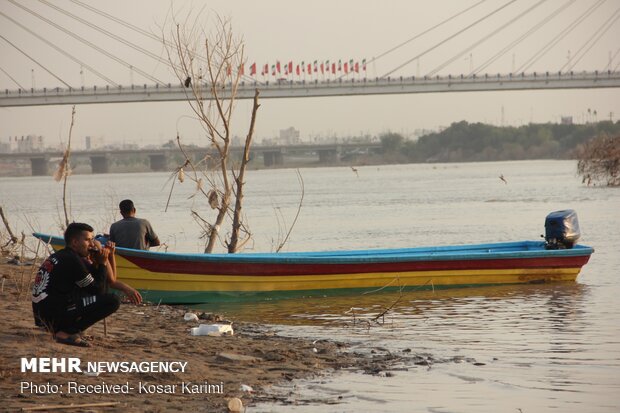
[(270, 269)]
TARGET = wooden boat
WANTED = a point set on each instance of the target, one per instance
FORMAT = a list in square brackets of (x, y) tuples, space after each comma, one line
[(198, 278)]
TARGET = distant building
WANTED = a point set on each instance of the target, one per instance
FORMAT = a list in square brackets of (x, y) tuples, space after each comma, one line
[(5, 147), (237, 141), (93, 143), (289, 136), (566, 120), (30, 143)]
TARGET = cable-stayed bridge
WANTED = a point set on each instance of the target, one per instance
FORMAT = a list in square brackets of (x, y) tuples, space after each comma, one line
[(298, 89), (34, 26)]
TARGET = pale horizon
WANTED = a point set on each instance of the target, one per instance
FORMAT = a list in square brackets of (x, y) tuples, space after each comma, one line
[(280, 31)]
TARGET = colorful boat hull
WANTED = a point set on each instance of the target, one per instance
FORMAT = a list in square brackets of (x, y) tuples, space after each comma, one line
[(199, 278)]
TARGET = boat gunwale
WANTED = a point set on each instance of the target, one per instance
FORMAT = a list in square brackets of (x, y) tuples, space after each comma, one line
[(501, 250)]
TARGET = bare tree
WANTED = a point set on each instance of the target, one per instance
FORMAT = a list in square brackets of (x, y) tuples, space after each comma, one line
[(64, 170), (210, 67), (599, 161)]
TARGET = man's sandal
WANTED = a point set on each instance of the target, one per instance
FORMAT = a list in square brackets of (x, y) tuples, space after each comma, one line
[(72, 340)]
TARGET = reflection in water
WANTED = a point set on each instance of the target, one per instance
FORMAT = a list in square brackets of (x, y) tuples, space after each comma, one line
[(556, 303), (527, 341)]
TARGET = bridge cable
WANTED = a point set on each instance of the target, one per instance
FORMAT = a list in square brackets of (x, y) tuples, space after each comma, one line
[(422, 33), (90, 44), (34, 60), (600, 32), (542, 51), (525, 35), (450, 37), (612, 59), (483, 39), (110, 34), (75, 59), (146, 33), (14, 81), (120, 21)]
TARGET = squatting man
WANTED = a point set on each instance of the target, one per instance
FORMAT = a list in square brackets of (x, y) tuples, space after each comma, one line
[(70, 290)]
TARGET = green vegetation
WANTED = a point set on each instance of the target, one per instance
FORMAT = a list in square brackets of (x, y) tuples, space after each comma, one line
[(474, 142)]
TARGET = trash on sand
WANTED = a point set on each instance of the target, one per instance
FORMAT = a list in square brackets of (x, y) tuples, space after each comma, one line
[(235, 405), (212, 330), (246, 388), (190, 317)]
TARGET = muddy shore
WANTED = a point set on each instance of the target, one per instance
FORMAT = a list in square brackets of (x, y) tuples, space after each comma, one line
[(243, 365)]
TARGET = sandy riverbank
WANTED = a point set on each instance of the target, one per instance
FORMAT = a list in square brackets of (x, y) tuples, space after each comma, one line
[(254, 356)]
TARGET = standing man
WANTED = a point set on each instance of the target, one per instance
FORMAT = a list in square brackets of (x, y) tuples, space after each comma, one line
[(68, 294), (132, 232)]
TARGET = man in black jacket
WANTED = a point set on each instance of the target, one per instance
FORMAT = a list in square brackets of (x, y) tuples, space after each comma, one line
[(69, 293)]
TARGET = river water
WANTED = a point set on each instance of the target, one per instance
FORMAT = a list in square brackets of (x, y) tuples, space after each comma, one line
[(532, 348)]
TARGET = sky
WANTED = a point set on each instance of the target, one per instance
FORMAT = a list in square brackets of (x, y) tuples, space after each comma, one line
[(278, 30)]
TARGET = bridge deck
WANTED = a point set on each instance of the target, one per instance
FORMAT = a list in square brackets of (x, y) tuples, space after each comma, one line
[(297, 89)]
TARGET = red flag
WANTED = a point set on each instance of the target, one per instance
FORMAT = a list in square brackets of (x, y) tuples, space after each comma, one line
[(297, 70), (290, 67), (241, 69), (322, 68), (278, 66), (357, 67), (265, 69), (309, 68), (334, 68), (228, 70), (253, 69), (346, 67)]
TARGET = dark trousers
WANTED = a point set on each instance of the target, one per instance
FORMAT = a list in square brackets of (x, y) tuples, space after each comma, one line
[(78, 316)]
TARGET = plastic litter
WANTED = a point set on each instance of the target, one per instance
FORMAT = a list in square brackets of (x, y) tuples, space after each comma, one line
[(246, 388), (212, 330), (190, 317)]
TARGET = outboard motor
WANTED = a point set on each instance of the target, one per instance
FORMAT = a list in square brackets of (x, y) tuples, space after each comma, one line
[(561, 230)]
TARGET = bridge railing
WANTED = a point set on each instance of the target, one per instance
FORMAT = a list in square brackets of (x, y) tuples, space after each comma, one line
[(315, 83)]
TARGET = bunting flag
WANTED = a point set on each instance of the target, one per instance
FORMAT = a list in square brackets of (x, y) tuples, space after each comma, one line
[(290, 68)]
